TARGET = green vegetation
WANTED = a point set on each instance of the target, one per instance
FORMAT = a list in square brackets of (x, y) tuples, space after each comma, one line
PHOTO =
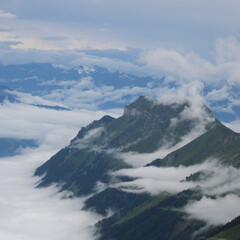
[(144, 127), (219, 142), (198, 176), (114, 199), (230, 231), (157, 218), (231, 234), (153, 201)]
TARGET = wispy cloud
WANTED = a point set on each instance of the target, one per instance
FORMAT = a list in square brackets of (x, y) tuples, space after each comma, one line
[(220, 190), (7, 15), (215, 211), (222, 179)]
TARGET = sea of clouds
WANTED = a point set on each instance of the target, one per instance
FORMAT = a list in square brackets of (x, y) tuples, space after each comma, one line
[(27, 212)]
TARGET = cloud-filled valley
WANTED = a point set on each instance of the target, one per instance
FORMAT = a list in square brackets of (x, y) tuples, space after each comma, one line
[(28, 213)]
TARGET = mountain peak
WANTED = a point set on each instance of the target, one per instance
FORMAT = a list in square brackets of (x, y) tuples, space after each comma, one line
[(148, 107), (108, 144), (137, 107)]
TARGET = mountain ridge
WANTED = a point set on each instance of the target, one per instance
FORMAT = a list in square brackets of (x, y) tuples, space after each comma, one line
[(107, 138), (85, 166)]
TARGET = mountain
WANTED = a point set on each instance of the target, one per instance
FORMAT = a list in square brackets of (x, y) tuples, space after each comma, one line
[(188, 134), (145, 127), (230, 231), (6, 95), (158, 218), (37, 77), (44, 79), (95, 87), (219, 142)]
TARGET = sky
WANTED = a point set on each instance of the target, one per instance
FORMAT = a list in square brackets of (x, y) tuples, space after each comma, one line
[(113, 29)]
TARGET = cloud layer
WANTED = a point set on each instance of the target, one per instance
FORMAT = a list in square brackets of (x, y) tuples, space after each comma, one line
[(28, 213), (44, 125), (215, 211), (220, 201)]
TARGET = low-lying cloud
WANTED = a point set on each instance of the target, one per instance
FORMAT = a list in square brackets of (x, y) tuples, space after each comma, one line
[(23, 121), (215, 211), (28, 213), (42, 214), (221, 190), (155, 180)]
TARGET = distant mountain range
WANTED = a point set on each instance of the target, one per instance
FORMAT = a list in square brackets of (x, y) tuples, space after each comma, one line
[(147, 129), (43, 79), (107, 89)]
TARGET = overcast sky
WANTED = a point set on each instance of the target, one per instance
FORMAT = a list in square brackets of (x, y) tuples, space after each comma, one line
[(186, 25)]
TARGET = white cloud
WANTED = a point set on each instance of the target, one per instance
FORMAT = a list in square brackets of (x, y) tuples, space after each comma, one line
[(190, 66), (85, 94), (215, 211), (212, 208), (27, 98), (47, 126), (86, 141), (183, 66), (218, 94), (155, 180), (234, 125), (28, 213), (6, 15), (227, 50)]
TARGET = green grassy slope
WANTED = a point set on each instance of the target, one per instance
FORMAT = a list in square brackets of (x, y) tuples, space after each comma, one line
[(219, 142), (157, 218), (230, 231), (114, 199)]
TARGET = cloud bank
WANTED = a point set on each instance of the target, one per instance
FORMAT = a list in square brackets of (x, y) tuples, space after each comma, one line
[(47, 126), (221, 192), (28, 213), (215, 211)]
